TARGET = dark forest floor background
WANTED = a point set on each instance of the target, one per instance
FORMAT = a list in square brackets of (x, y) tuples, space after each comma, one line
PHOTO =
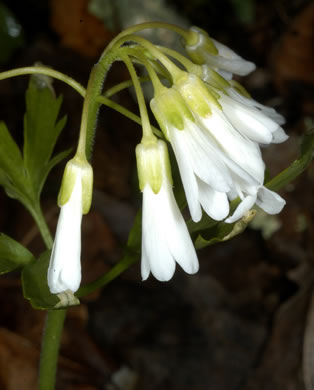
[(246, 320)]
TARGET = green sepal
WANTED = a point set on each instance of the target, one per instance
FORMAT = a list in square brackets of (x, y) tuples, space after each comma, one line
[(153, 165), (13, 254), (35, 286), (77, 169), (170, 110), (198, 43), (197, 94)]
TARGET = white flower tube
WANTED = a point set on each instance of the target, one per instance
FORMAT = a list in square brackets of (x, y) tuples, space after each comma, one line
[(165, 237), (64, 272)]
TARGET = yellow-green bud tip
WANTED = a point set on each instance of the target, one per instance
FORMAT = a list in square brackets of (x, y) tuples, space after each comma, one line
[(77, 169), (153, 165)]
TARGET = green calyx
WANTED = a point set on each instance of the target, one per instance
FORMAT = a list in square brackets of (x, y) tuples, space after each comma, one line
[(198, 44), (77, 169), (153, 165), (240, 89), (170, 110), (213, 78), (198, 96)]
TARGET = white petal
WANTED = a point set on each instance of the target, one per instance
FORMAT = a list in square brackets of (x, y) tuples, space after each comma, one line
[(248, 121), (165, 238), (241, 150), (214, 203), (269, 201), (279, 136), (203, 157), (187, 175), (246, 205), (229, 61), (156, 256), (64, 272), (178, 237), (226, 75), (268, 111)]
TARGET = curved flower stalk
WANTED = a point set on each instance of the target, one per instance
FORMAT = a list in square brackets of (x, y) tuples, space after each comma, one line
[(64, 272), (165, 238), (203, 49)]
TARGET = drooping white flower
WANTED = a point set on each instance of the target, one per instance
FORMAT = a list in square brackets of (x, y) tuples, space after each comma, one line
[(237, 127), (267, 200), (203, 49), (165, 238), (205, 178), (64, 272), (217, 159)]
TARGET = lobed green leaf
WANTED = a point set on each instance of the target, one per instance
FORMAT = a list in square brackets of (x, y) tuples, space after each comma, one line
[(41, 131), (35, 285), (13, 254)]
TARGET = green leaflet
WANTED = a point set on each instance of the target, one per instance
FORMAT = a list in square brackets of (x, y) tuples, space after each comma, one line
[(23, 176), (41, 131), (36, 290), (12, 254)]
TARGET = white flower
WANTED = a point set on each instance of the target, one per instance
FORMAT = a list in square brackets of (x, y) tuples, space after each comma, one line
[(165, 238), (64, 272), (208, 171), (203, 49), (267, 200), (237, 127)]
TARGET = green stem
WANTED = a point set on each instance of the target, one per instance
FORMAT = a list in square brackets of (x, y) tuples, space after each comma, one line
[(44, 71), (153, 50), (43, 228), (189, 65), (123, 85), (147, 130), (78, 87), (54, 322), (50, 349), (123, 265), (127, 113), (150, 25), (91, 102)]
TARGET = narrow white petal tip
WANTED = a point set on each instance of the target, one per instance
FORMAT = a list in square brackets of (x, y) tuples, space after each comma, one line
[(193, 268), (270, 201), (279, 136), (246, 204)]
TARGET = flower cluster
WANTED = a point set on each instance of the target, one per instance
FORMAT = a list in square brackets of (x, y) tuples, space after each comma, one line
[(215, 129)]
